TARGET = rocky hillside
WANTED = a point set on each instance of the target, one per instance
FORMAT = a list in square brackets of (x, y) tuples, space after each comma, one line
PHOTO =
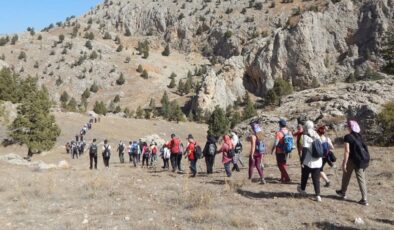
[(244, 45)]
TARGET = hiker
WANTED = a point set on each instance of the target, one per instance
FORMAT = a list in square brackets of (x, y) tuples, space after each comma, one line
[(106, 153), (297, 135), (135, 152), (81, 136), (327, 149), (145, 154), (153, 150), (68, 147), (129, 151), (311, 159), (76, 137), (174, 145), (191, 154), (74, 149), (356, 158), (227, 151), (95, 120), (257, 151), (81, 147), (238, 150), (141, 145), (166, 154), (179, 157), (120, 149), (93, 154), (278, 148), (209, 152)]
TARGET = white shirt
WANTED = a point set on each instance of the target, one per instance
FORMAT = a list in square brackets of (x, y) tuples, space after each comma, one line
[(108, 146), (307, 141), (234, 139)]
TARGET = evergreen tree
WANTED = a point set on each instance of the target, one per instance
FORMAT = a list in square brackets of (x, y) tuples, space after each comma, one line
[(250, 109), (181, 87), (34, 126), (120, 80), (165, 102), (117, 109), (176, 113), (145, 74), (127, 32), (72, 105), (64, 98), (172, 84), (86, 93), (388, 51), (271, 98), (166, 51), (173, 76), (235, 119), (94, 88), (218, 123), (152, 104), (116, 99), (100, 108), (140, 69), (188, 85), (88, 44)]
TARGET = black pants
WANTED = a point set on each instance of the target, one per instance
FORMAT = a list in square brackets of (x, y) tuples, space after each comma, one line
[(130, 158), (173, 159), (106, 161), (235, 168), (210, 161), (121, 157), (93, 157), (75, 153), (178, 161), (315, 178), (166, 163), (145, 159)]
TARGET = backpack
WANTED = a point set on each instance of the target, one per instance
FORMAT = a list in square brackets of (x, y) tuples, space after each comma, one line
[(238, 147), (211, 149), (231, 153), (197, 152), (121, 148), (359, 153), (317, 148), (106, 152), (288, 142), (74, 149), (260, 147), (326, 148), (93, 149), (154, 150), (134, 148)]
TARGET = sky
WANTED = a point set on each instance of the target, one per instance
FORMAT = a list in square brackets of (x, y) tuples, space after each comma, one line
[(17, 15)]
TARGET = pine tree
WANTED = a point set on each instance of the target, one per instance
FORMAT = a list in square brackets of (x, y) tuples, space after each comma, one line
[(64, 98), (250, 109), (188, 85), (99, 108), (140, 69), (181, 87), (235, 119), (164, 111), (218, 123), (86, 93), (72, 105), (116, 99), (172, 84), (271, 98), (166, 51), (34, 126), (117, 109), (120, 80), (145, 74)]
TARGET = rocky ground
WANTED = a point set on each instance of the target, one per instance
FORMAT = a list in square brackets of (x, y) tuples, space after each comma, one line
[(124, 197)]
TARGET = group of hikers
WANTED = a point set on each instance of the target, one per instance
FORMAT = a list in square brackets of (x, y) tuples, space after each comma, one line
[(314, 149)]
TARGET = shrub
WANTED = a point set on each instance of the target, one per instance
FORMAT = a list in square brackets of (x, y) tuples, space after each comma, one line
[(120, 48), (120, 80), (218, 123), (166, 51), (145, 74), (94, 88), (93, 55), (100, 108), (22, 55), (228, 34), (14, 39), (127, 32), (107, 36), (88, 44), (116, 99), (61, 38), (64, 97), (250, 108), (386, 119), (172, 84), (140, 69), (39, 37), (86, 93), (282, 87)]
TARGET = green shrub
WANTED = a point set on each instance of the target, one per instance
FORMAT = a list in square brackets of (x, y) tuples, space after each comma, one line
[(140, 69), (386, 119), (218, 123), (86, 94), (172, 84), (120, 80), (145, 74), (94, 88), (166, 51), (100, 108)]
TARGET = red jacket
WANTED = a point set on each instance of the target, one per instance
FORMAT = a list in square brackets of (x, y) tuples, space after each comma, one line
[(191, 150), (174, 145)]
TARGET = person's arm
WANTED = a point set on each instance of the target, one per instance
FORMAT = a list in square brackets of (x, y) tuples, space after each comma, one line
[(346, 156), (252, 145), (331, 146), (276, 142)]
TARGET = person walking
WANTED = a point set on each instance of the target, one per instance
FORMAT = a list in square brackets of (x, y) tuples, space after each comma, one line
[(356, 158), (130, 152), (120, 149), (179, 157), (238, 150), (145, 155), (106, 153), (135, 152), (310, 162), (175, 147), (226, 149), (327, 148), (93, 154), (298, 135), (191, 154), (280, 154), (166, 154), (74, 149), (209, 153), (257, 151), (153, 150)]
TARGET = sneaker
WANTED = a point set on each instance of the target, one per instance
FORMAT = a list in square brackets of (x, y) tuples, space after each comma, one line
[(327, 184), (302, 192), (341, 194), (318, 198), (363, 202), (262, 181)]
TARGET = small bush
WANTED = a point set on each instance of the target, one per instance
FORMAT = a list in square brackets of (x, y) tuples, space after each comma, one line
[(166, 51), (386, 119), (145, 74), (94, 88), (100, 108), (140, 69), (22, 55), (120, 80)]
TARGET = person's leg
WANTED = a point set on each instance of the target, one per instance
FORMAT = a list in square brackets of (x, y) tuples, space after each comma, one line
[(207, 163), (362, 183), (251, 166), (173, 162), (280, 167), (257, 163), (227, 168), (316, 180), (193, 167), (346, 176), (95, 161), (91, 161), (304, 176), (179, 160)]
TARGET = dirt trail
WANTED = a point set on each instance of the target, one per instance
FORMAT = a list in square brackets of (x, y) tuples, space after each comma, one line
[(124, 197)]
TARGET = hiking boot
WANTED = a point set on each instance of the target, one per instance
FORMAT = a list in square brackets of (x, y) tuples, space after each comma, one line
[(302, 192), (341, 194), (318, 198), (363, 202), (327, 184)]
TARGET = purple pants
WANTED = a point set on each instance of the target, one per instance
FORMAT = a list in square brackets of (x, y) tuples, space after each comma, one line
[(255, 161)]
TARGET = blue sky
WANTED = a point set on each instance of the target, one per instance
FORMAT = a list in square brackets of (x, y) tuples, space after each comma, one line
[(17, 15)]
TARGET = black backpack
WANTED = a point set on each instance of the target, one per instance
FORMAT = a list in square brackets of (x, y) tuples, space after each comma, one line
[(121, 148), (197, 152), (93, 149), (211, 149), (238, 147), (359, 153), (106, 152)]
